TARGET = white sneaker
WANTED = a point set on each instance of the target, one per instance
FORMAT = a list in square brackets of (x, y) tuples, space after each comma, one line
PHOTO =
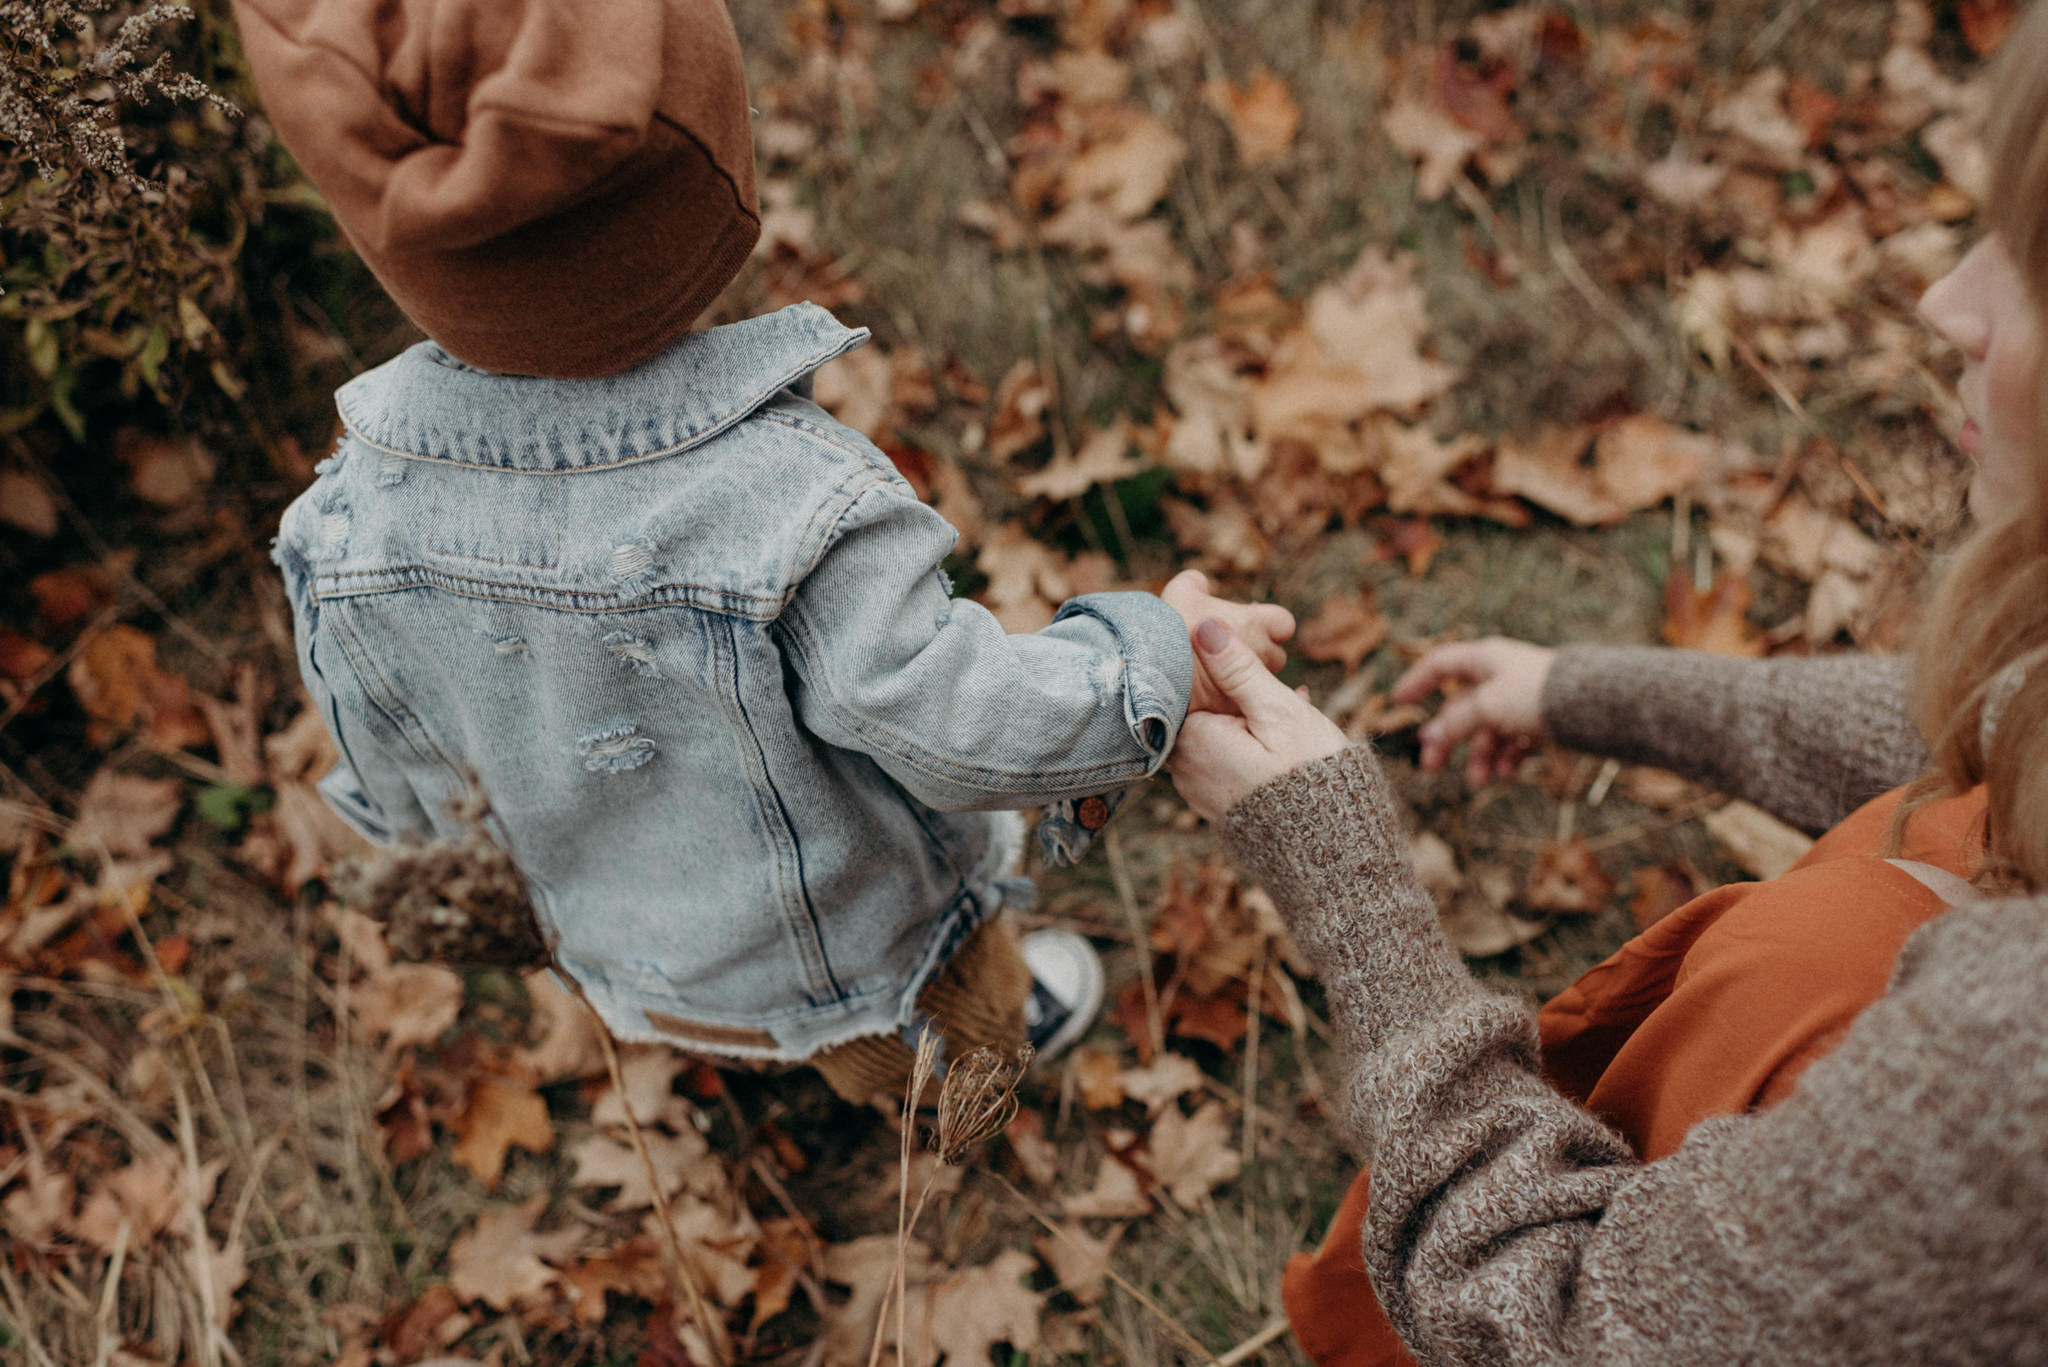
[(1066, 989)]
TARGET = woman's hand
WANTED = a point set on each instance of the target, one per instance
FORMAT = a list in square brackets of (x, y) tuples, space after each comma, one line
[(1262, 626), (1219, 759), (1500, 706)]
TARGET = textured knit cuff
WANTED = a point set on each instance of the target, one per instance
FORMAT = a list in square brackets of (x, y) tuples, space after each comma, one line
[(1327, 843)]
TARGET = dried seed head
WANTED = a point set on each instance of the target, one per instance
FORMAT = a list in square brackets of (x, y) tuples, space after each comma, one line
[(978, 1098)]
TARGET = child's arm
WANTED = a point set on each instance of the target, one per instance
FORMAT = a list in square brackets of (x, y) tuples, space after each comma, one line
[(961, 713)]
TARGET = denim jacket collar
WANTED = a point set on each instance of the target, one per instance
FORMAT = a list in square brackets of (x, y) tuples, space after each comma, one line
[(427, 406)]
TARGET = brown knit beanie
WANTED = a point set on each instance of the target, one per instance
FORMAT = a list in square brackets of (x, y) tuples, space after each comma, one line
[(548, 187)]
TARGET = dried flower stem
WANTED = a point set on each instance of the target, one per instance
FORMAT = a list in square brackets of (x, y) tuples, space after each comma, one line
[(921, 1068)]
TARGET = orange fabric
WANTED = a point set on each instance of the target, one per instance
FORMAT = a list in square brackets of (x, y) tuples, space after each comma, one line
[(1714, 1010)]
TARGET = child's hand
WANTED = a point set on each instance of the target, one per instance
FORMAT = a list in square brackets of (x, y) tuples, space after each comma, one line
[(1500, 708), (1261, 626)]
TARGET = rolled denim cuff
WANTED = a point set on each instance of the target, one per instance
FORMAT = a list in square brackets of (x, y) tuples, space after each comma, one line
[(1158, 671)]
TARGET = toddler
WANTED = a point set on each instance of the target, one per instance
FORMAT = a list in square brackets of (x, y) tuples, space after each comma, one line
[(688, 635)]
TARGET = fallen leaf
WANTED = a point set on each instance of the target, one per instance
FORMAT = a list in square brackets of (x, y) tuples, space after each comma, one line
[(1567, 879), (1129, 162), (26, 503), (166, 471), (786, 1250), (408, 1004), (604, 1161), (1104, 458), (1078, 1259), (119, 684), (968, 1313), (123, 813), (416, 1330), (1712, 619), (1192, 1155), (1763, 845), (630, 1267), (1262, 115), (866, 1266), (1037, 1155), (498, 1117), (1157, 1085), (502, 1260), (1347, 628), (1218, 1020), (569, 1045), (1479, 923), (1100, 1077), (1660, 889), (1428, 136), (1116, 1195)]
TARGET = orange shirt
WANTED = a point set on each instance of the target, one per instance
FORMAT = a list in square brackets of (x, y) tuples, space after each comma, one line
[(1714, 1010)]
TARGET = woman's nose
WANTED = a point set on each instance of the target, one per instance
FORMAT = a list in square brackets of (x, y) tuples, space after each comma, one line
[(1953, 306)]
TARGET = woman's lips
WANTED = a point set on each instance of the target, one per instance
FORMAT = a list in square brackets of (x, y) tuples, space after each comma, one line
[(1970, 438)]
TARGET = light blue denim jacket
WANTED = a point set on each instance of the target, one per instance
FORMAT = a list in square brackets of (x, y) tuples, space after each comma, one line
[(692, 639)]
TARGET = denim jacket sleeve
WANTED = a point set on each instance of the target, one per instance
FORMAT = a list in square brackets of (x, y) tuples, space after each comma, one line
[(962, 714)]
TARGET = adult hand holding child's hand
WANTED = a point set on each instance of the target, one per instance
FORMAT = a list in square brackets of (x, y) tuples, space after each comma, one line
[(1261, 626), (1220, 759)]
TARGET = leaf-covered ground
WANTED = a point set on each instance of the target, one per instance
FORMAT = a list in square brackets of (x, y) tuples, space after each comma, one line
[(1432, 321)]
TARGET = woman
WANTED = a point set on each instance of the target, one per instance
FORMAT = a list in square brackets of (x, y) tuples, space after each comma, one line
[(1881, 1196)]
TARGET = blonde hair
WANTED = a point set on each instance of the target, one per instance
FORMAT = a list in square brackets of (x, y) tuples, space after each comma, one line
[(1980, 685)]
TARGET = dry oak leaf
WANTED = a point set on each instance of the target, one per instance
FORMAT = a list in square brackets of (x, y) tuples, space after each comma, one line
[(786, 1249), (1478, 921), (1713, 619), (1263, 115), (408, 1004), (1416, 468), (1128, 163), (501, 1260), (631, 1267), (1660, 889), (1375, 319), (1078, 1259), (1167, 1078), (26, 503), (40, 1205), (1427, 135), (1103, 458), (166, 471), (1037, 1155), (568, 1046), (1226, 536), (1346, 628), (119, 684), (1763, 845), (717, 1238), (865, 1266), (1220, 1020), (604, 1161), (1567, 879), (1100, 1077), (1027, 579), (1192, 1155), (649, 1072), (123, 813), (151, 1194), (968, 1313), (500, 1116), (1118, 1193)]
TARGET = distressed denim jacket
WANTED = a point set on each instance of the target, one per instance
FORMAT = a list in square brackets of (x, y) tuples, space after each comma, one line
[(692, 639)]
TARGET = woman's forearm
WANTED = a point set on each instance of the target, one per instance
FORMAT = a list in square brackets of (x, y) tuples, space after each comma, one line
[(1808, 739)]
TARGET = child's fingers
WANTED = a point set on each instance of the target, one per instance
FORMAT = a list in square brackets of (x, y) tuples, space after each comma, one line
[(1276, 621), (1479, 765)]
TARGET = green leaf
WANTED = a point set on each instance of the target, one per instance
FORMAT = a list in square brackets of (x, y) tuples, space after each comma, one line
[(42, 348), (152, 356), (230, 805)]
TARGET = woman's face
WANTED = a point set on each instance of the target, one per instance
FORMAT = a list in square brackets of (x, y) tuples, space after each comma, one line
[(1984, 309)]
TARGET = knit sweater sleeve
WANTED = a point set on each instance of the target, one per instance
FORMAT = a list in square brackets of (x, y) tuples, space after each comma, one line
[(1809, 740), (1888, 1211)]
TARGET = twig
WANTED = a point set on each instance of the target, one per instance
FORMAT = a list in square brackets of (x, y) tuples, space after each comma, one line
[(1798, 410), (1250, 1145), (714, 1330), (1251, 1346), (195, 1215), (1155, 1028), (1173, 1326)]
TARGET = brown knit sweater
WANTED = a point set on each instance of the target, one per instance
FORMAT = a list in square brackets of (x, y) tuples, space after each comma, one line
[(1893, 1210)]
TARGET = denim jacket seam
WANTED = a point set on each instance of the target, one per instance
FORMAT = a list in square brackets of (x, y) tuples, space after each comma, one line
[(933, 763), (740, 412), (825, 521), (811, 954), (359, 659), (405, 578)]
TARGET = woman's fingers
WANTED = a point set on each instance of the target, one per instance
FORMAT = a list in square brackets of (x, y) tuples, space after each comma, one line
[(1463, 660), (1236, 671)]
